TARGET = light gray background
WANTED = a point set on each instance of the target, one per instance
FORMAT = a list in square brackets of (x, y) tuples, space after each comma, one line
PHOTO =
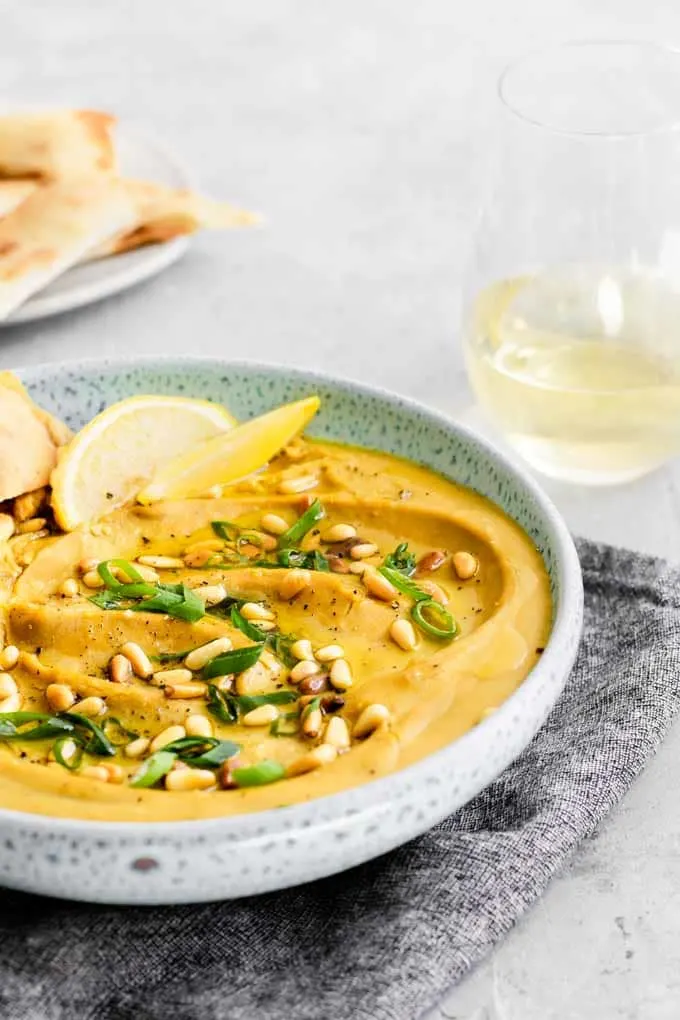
[(357, 127)]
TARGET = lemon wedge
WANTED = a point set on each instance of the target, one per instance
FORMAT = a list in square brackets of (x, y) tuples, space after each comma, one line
[(106, 463), (232, 456)]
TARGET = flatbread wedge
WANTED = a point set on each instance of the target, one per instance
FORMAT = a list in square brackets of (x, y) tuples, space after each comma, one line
[(49, 146), (164, 213), (54, 228)]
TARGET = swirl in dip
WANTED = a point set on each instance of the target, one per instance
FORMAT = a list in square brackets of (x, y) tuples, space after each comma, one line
[(322, 580)]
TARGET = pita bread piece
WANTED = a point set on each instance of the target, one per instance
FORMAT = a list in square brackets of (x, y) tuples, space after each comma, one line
[(52, 230), (164, 213), (27, 452), (58, 144), (13, 193)]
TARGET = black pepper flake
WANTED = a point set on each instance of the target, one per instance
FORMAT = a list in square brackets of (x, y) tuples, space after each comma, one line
[(109, 495), (539, 650)]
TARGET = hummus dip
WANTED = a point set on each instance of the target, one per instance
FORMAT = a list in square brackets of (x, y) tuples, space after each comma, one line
[(329, 670)]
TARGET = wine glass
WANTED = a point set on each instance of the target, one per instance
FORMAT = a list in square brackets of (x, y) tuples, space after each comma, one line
[(572, 299)]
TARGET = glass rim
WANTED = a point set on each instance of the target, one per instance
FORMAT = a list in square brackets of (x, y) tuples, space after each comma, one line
[(667, 127)]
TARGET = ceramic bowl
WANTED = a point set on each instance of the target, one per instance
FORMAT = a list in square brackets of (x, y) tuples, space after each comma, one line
[(193, 861)]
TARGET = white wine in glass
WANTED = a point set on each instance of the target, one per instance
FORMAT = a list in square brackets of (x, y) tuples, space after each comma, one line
[(572, 311)]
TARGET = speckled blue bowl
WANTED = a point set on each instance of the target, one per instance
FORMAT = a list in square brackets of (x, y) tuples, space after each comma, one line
[(182, 862)]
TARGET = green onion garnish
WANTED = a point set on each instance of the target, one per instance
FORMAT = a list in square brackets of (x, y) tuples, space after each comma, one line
[(48, 726), (250, 630), (225, 530), (137, 587), (404, 584), (98, 742), (222, 704), (280, 645), (434, 619), (402, 560), (234, 661), (153, 769), (74, 761), (247, 702), (116, 733), (285, 725), (209, 751), (176, 600), (303, 524), (264, 772), (311, 706), (306, 560)]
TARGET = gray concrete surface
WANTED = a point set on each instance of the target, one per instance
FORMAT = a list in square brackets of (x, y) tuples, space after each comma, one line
[(359, 128)]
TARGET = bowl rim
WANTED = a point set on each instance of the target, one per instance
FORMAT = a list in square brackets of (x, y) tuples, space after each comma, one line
[(559, 654)]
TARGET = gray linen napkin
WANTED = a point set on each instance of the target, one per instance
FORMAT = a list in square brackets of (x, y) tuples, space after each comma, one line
[(385, 940)]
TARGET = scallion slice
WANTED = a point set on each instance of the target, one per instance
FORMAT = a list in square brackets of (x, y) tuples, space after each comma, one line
[(226, 530), (76, 758), (153, 769), (404, 584), (434, 619), (137, 587), (264, 772), (250, 630), (303, 524), (247, 702), (402, 560), (234, 661), (285, 725), (97, 743), (222, 704), (11, 724)]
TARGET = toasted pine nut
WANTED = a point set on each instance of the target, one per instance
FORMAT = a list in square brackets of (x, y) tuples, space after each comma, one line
[(137, 748), (92, 580), (435, 591), (69, 588), (302, 649), (11, 703), (161, 562), (266, 625), (8, 686), (188, 690), (139, 660), (198, 726), (148, 574), (9, 657), (465, 564), (253, 680), (255, 612), (270, 662), (312, 723), (272, 523), (171, 676), (403, 634), (337, 733), (324, 754), (341, 675), (211, 594), (198, 658), (184, 780), (303, 483), (91, 707), (60, 697), (266, 542), (339, 533), (261, 716), (372, 717), (115, 772), (303, 669), (330, 652), (379, 586), (430, 562), (29, 527), (101, 530), (314, 684), (97, 772), (6, 527), (198, 558), (87, 564), (363, 550), (358, 568), (120, 669), (293, 583), (167, 736)]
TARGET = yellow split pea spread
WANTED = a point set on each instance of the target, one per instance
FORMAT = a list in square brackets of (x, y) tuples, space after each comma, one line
[(329, 619)]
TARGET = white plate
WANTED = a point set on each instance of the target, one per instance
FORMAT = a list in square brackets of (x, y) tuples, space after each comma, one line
[(141, 158)]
